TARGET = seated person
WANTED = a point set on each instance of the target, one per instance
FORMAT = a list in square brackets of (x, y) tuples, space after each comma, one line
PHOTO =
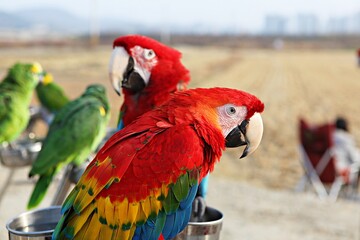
[(347, 155)]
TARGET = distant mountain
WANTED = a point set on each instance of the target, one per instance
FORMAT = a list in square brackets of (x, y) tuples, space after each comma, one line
[(47, 19), (59, 21), (43, 22), (11, 21), (54, 19)]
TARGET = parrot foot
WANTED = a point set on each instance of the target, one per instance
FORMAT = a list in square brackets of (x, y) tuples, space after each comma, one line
[(198, 209)]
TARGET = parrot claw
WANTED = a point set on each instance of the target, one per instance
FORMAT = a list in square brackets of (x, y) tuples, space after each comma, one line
[(198, 209)]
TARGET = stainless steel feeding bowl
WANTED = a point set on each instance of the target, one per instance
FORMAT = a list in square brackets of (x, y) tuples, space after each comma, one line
[(207, 228), (20, 153), (40, 224), (34, 225)]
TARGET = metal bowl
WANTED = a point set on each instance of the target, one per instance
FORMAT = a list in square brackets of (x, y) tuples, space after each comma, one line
[(34, 225), (20, 153), (40, 224), (208, 228)]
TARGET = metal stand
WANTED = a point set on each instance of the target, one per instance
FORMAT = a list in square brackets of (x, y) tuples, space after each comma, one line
[(71, 176), (63, 187), (7, 184)]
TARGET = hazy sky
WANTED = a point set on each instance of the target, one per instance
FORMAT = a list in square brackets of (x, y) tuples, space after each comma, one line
[(243, 14)]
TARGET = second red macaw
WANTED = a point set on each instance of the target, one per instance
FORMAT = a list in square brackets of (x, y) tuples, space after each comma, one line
[(147, 71), (141, 184)]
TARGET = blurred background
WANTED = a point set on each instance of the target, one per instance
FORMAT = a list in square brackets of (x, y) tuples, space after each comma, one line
[(42, 20), (299, 57)]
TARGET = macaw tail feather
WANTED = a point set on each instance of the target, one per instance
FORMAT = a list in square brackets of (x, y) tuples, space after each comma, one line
[(40, 189), (58, 228)]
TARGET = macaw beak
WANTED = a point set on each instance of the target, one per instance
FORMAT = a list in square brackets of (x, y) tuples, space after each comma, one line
[(117, 65), (248, 133), (124, 72)]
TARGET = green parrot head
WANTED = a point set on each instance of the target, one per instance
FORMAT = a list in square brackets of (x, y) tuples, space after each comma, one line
[(46, 78), (25, 75), (98, 91)]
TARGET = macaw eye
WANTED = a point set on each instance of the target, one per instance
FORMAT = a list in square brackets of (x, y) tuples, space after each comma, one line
[(230, 110), (149, 54)]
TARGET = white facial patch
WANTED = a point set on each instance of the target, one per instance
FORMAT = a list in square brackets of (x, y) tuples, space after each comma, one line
[(145, 75), (144, 63), (230, 116)]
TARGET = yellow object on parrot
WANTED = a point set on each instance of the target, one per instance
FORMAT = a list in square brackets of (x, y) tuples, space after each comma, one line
[(36, 68), (102, 111), (48, 78)]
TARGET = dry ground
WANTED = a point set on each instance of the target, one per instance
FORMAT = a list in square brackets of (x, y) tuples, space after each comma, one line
[(255, 193)]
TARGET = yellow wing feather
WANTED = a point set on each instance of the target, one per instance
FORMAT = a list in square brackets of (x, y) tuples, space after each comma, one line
[(78, 221), (92, 232)]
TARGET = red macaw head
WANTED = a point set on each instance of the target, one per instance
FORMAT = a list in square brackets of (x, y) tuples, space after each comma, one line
[(138, 62), (234, 113)]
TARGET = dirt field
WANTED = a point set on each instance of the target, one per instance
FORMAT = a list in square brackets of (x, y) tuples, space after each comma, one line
[(315, 85)]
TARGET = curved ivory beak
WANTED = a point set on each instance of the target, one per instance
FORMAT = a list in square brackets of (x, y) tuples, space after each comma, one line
[(248, 133), (254, 134), (117, 66)]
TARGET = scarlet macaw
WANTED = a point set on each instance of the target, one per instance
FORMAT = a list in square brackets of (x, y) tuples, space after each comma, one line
[(141, 184), (147, 71)]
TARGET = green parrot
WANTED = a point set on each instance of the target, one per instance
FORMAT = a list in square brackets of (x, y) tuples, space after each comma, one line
[(51, 95), (15, 96), (75, 132)]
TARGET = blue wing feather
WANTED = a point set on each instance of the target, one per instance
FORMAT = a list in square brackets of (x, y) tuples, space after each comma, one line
[(186, 217), (120, 125), (169, 225), (190, 198), (178, 220), (151, 229), (203, 187)]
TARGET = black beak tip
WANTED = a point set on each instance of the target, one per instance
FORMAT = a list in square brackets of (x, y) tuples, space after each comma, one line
[(245, 152), (243, 155)]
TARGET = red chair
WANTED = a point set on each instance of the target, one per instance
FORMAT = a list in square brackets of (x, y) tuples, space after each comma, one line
[(318, 160)]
